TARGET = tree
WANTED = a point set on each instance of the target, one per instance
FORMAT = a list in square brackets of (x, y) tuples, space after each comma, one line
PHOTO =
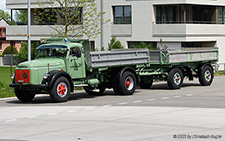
[(70, 18), (115, 44), (144, 45), (5, 15), (24, 51), (21, 16)]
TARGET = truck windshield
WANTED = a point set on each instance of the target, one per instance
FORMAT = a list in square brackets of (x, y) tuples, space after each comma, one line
[(51, 51)]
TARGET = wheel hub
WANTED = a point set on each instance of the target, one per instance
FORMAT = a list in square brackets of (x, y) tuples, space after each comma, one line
[(177, 78), (129, 83), (208, 76), (62, 89)]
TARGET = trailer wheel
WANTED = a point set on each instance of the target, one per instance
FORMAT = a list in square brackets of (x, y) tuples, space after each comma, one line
[(127, 84), (61, 90), (175, 79), (206, 76), (24, 95), (146, 82), (99, 91)]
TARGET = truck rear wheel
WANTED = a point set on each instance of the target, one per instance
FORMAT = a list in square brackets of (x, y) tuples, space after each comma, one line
[(206, 76), (61, 90), (175, 79), (146, 82), (99, 91), (127, 83), (24, 95)]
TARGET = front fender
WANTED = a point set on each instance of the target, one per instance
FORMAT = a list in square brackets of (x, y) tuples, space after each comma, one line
[(54, 75)]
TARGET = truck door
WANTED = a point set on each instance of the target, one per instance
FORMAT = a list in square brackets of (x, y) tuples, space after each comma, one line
[(76, 64)]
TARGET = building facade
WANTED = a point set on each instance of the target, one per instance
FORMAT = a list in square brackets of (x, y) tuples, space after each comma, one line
[(172, 23), (3, 42)]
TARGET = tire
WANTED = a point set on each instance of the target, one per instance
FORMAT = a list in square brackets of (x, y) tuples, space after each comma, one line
[(116, 83), (24, 95), (146, 82), (206, 76), (175, 79), (61, 90), (99, 91), (127, 83)]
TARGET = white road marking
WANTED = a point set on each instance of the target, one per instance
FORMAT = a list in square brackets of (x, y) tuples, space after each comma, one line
[(138, 101), (123, 103), (105, 106), (10, 120), (32, 117), (51, 114), (72, 111), (153, 99), (164, 98), (178, 96), (189, 94)]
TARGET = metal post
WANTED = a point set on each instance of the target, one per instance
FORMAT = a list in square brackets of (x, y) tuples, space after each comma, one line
[(184, 14), (101, 24), (28, 32), (11, 41)]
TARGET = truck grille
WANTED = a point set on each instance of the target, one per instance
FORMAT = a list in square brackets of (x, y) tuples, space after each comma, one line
[(22, 76)]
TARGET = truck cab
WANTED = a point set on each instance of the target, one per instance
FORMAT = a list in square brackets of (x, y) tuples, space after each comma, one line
[(56, 60)]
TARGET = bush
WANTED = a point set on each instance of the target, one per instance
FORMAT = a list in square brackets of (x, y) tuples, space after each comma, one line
[(115, 44), (8, 50)]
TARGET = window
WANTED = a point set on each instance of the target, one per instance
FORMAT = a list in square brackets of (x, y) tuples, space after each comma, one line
[(122, 14), (3, 32), (191, 44), (133, 44), (165, 14), (52, 16), (0, 45)]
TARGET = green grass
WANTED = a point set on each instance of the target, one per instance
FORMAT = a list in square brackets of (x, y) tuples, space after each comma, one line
[(219, 73), (5, 80)]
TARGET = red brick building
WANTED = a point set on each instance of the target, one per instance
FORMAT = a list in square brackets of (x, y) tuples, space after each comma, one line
[(3, 42)]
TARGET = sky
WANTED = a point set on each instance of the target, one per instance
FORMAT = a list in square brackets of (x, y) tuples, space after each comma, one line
[(2, 5)]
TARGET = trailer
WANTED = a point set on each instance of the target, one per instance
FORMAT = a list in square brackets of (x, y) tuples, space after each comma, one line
[(60, 66)]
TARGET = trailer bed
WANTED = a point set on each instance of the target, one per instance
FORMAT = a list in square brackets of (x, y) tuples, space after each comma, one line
[(183, 56), (119, 57)]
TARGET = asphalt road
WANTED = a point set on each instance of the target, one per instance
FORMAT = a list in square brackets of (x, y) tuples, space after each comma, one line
[(191, 113)]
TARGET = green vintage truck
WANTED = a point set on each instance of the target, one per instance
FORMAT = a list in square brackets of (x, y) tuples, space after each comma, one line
[(62, 65)]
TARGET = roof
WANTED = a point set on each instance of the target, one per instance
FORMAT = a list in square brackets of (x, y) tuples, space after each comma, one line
[(3, 22)]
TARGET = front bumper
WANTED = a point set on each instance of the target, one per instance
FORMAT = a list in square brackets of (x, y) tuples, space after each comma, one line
[(41, 86)]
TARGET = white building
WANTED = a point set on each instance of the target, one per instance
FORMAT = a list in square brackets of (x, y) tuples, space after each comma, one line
[(178, 23)]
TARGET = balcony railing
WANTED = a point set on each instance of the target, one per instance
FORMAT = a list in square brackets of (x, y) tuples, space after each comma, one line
[(188, 22)]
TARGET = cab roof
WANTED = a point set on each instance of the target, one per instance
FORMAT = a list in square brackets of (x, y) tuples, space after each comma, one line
[(61, 42)]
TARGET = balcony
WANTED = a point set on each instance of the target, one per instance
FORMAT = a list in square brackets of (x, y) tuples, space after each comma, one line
[(122, 30), (188, 30)]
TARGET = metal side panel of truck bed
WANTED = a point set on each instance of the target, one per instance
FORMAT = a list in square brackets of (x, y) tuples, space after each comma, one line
[(120, 57), (183, 56)]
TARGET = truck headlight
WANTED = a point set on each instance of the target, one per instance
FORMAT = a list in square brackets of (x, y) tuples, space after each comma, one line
[(12, 76), (46, 75)]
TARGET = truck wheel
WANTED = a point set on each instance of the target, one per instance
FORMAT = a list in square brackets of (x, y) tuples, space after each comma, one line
[(206, 76), (127, 84), (24, 95), (99, 91), (61, 90), (175, 79), (146, 82)]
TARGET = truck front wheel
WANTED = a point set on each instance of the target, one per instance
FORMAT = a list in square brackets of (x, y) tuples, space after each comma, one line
[(61, 90), (175, 79), (127, 84), (24, 95), (206, 76)]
